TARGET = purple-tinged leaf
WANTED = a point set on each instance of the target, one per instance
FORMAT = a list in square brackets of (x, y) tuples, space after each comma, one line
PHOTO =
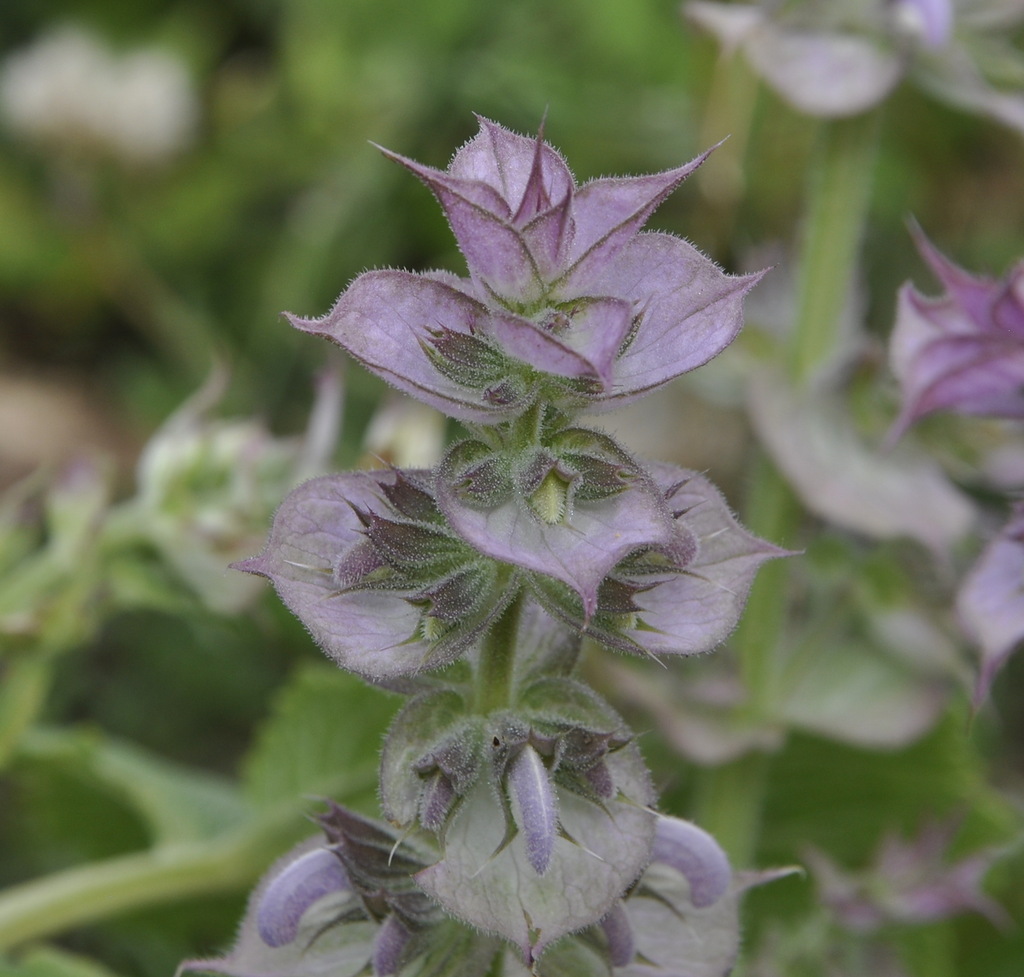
[(619, 933), (609, 212), (824, 74), (533, 806), (843, 479), (580, 343), (387, 320), (493, 247), (689, 310), (389, 946), (508, 162), (579, 551), (991, 601), (818, 69), (963, 351), (290, 893), (696, 855), (371, 632), (687, 607)]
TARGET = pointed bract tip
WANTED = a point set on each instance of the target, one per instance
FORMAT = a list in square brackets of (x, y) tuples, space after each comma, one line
[(254, 564)]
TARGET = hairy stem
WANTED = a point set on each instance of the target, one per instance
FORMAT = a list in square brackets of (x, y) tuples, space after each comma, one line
[(497, 660), (84, 895)]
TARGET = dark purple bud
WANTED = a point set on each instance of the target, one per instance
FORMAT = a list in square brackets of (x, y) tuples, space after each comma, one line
[(408, 545), (533, 472), (696, 855), (619, 933), (477, 475), (373, 855), (533, 806), (599, 779), (457, 758), (436, 801), (389, 946), (360, 563), (466, 359), (459, 595), (310, 877), (411, 498), (505, 393), (580, 748)]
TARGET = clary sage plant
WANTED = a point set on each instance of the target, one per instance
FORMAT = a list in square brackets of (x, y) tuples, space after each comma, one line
[(521, 831)]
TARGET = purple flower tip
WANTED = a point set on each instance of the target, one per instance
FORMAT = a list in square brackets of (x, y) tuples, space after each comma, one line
[(533, 806), (289, 894), (694, 853)]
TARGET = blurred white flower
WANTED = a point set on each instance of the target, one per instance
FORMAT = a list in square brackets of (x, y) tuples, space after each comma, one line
[(71, 92)]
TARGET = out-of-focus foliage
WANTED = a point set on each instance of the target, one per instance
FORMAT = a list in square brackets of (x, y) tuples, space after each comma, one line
[(173, 175)]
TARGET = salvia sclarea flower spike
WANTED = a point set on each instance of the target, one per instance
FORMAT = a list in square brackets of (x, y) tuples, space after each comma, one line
[(520, 809), (566, 300)]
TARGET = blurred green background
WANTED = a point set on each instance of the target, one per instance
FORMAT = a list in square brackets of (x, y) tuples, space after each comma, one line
[(125, 275)]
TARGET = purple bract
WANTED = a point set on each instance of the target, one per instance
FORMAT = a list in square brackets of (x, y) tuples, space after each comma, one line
[(566, 300)]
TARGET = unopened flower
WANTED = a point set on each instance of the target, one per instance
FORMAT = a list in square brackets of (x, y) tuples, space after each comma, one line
[(566, 300), (963, 351), (70, 91), (566, 860), (541, 811), (839, 58)]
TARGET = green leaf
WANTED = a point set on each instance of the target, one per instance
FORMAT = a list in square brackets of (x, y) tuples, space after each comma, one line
[(422, 724), (176, 803), (453, 950), (322, 739), (843, 799), (48, 961)]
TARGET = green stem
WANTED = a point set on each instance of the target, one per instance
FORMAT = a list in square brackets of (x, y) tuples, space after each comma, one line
[(840, 191), (772, 512), (730, 798), (497, 660), (84, 895), (728, 116)]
